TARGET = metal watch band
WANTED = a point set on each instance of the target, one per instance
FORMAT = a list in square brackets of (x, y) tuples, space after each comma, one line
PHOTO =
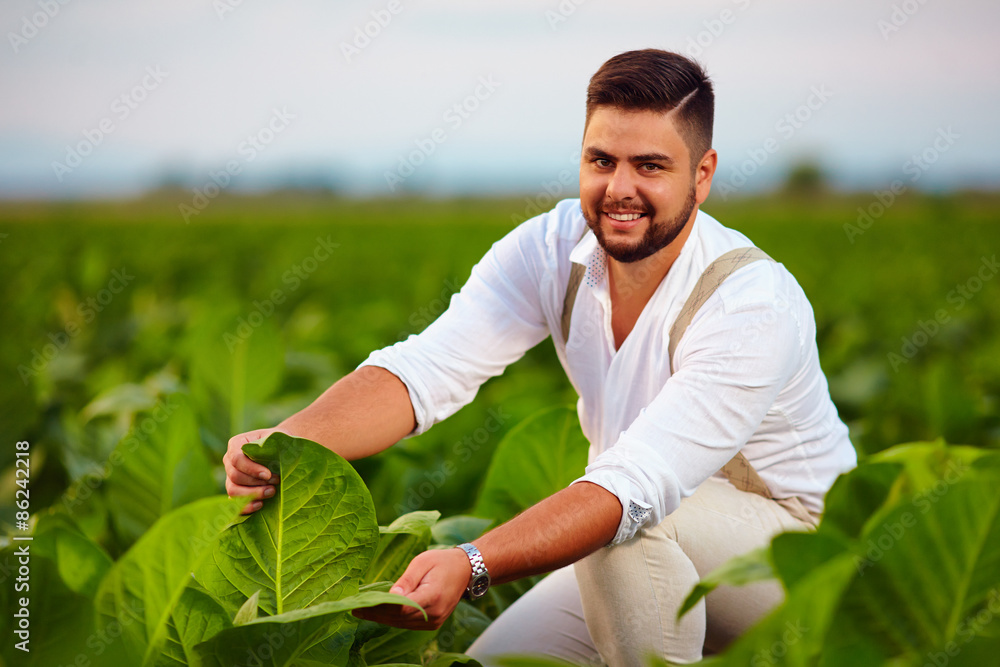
[(479, 571), (476, 558)]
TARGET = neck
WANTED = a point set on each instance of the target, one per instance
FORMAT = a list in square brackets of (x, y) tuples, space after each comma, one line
[(638, 280)]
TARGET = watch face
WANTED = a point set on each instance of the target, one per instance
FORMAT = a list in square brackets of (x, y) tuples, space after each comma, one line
[(479, 586)]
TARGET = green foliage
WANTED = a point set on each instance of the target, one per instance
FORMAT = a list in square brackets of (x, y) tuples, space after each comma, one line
[(205, 586), (538, 457), (908, 346), (162, 472), (901, 571), (311, 542), (409, 534)]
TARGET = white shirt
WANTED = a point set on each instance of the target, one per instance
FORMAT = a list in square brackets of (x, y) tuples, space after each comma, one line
[(747, 369)]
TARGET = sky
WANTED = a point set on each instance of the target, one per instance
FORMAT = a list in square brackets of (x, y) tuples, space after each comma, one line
[(382, 97)]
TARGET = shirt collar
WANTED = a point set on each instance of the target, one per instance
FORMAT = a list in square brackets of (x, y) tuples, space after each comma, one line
[(589, 253)]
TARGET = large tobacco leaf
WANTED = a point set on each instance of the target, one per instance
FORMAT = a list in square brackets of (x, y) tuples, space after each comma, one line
[(322, 634), (145, 597), (541, 455), (158, 471), (311, 543)]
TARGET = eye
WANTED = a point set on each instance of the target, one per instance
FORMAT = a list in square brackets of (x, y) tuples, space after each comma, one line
[(649, 166), (601, 162)]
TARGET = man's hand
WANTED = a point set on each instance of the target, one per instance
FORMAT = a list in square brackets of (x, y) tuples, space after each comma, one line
[(435, 580), (243, 476)]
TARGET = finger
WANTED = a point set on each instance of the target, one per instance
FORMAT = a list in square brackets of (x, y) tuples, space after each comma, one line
[(252, 507), (242, 479), (253, 493), (242, 463), (411, 578)]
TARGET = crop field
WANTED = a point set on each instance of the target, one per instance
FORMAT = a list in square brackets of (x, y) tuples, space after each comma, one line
[(135, 344)]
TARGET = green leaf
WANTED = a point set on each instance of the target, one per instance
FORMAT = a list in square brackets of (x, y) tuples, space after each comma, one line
[(793, 634), (449, 659), (248, 612), (462, 628), (61, 620), (141, 594), (81, 562), (459, 529), (320, 634), (235, 363), (795, 554), (394, 645), (158, 471), (926, 568), (123, 399), (855, 497), (746, 569), (196, 618), (538, 457), (398, 543), (919, 580), (310, 543), (359, 601)]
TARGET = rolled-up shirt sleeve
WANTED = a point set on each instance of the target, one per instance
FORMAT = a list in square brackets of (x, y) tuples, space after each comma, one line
[(490, 323), (731, 365)]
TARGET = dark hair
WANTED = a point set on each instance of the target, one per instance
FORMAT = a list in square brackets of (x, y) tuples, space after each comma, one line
[(655, 80)]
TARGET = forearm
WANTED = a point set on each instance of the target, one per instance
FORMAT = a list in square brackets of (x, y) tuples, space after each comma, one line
[(560, 530), (362, 414)]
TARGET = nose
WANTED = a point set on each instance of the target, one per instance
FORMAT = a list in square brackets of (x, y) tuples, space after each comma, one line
[(622, 184)]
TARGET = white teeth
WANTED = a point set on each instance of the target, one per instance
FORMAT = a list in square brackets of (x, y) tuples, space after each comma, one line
[(624, 217)]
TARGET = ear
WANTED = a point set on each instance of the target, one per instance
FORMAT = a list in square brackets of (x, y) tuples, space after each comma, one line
[(703, 173)]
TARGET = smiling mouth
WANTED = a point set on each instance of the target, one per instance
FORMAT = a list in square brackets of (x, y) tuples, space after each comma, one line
[(623, 221), (624, 217)]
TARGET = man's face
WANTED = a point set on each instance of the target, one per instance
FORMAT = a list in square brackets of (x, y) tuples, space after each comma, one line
[(637, 189)]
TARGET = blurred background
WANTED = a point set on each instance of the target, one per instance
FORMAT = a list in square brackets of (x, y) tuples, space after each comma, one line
[(362, 82), (234, 202)]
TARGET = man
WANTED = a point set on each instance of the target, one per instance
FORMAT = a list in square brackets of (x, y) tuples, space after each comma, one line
[(673, 389)]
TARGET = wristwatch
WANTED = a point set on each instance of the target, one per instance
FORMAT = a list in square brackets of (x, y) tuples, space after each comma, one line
[(479, 582)]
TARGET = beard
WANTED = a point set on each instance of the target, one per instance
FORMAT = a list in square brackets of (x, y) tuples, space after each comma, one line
[(658, 234)]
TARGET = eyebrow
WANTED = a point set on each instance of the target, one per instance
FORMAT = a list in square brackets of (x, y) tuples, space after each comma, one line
[(593, 152)]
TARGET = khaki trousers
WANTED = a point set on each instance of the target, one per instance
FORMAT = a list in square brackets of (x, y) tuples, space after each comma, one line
[(619, 605)]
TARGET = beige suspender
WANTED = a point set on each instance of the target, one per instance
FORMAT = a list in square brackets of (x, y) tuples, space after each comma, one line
[(575, 278), (738, 470)]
